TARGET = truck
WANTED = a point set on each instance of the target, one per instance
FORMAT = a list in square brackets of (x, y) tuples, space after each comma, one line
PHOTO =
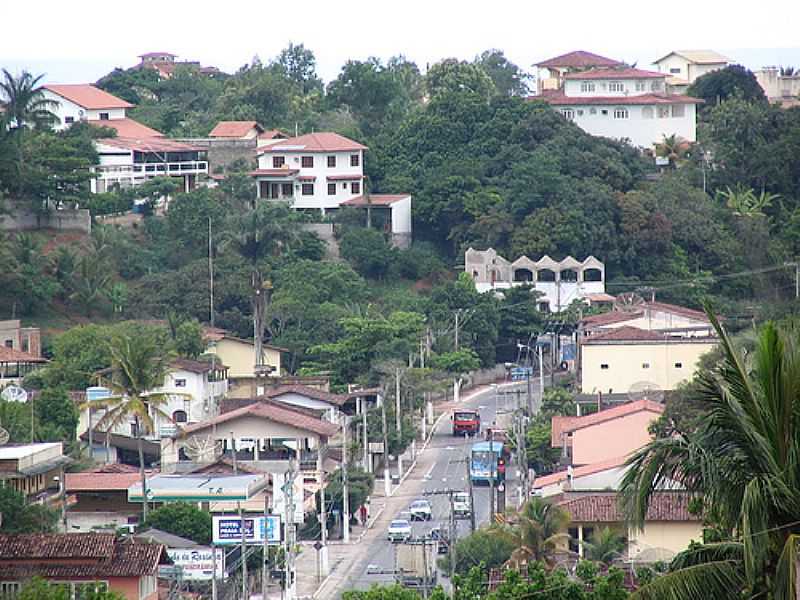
[(466, 422), (416, 563)]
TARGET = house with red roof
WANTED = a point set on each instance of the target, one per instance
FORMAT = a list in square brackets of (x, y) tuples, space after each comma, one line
[(611, 99), (236, 130), (671, 319), (550, 72), (324, 171)]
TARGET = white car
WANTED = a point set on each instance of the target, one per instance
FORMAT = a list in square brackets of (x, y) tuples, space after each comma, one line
[(399, 531), (461, 505), (420, 510)]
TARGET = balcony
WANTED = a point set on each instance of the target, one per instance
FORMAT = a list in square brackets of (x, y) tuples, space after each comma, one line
[(143, 170)]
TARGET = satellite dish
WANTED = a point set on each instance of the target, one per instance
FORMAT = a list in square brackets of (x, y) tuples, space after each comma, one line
[(14, 393), (645, 390), (628, 302), (203, 448)]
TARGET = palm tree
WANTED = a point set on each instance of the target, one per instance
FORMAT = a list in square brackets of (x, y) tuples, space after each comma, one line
[(674, 148), (24, 102), (743, 201), (605, 545), (539, 529), (139, 364), (743, 461)]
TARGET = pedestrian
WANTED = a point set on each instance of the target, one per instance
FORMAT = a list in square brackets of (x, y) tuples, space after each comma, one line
[(364, 514)]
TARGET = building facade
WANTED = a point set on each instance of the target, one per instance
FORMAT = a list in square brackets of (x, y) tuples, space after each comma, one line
[(683, 67), (559, 282), (34, 470), (780, 85), (550, 73)]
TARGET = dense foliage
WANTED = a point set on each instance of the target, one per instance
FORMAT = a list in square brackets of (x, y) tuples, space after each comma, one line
[(182, 519)]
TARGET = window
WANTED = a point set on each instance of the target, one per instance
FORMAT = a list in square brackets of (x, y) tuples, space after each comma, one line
[(69, 120), (355, 160), (678, 110), (278, 161), (678, 365), (663, 112), (580, 112), (9, 589), (593, 111), (308, 189), (604, 112), (307, 162), (344, 185), (655, 86), (331, 189), (544, 307), (640, 86), (645, 365), (355, 187), (287, 191), (9, 343), (647, 112), (104, 116), (332, 162), (616, 86), (179, 416), (587, 86), (180, 382), (675, 70), (604, 367), (620, 113), (568, 114), (84, 591)]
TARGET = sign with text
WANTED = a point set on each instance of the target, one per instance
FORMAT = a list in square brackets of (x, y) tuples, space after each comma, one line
[(197, 564), (228, 531), (282, 489)]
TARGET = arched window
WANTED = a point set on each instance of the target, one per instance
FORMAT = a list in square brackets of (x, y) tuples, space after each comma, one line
[(179, 416), (569, 275), (545, 275), (523, 275), (592, 275)]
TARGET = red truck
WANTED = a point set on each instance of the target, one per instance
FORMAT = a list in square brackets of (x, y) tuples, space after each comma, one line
[(466, 422)]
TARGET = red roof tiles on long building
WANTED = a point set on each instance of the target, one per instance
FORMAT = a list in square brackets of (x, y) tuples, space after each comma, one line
[(626, 333), (87, 96), (324, 141), (270, 412), (604, 508), (128, 128), (553, 478), (234, 129), (579, 59)]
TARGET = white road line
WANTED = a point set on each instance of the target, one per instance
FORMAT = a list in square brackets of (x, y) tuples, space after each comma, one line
[(428, 474)]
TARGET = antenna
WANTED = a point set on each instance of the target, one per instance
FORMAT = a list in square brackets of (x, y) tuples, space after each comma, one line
[(14, 393), (645, 390)]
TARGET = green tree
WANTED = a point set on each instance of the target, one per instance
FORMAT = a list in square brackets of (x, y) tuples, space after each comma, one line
[(93, 284), (21, 517), (732, 81), (486, 547), (24, 102), (300, 65), (56, 415), (540, 527), (605, 546), (368, 252), (507, 77), (742, 461), (189, 339), (452, 76), (182, 519)]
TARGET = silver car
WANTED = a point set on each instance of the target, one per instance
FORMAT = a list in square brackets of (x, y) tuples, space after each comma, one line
[(420, 510), (399, 531)]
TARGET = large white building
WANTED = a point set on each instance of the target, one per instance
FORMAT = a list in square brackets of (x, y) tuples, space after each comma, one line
[(683, 67), (625, 104), (137, 153)]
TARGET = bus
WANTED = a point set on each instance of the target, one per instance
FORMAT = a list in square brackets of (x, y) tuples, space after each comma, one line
[(487, 462)]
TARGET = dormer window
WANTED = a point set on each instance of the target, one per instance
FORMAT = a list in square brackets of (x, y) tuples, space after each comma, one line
[(587, 86), (616, 86)]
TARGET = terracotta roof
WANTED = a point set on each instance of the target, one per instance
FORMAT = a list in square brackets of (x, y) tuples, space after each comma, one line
[(609, 414), (604, 508), (75, 555), (700, 57), (116, 468), (678, 310), (224, 465), (579, 59), (561, 99), (598, 467), (271, 412), (626, 333), (558, 426), (623, 73), (193, 366), (375, 200), (93, 481), (614, 316), (304, 390), (151, 54), (234, 129), (87, 96), (324, 141), (128, 128), (148, 144), (274, 172), (12, 355), (601, 297)]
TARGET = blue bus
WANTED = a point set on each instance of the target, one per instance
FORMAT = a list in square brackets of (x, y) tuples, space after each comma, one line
[(488, 460)]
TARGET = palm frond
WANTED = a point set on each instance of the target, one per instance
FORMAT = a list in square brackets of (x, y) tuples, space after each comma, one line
[(786, 572), (720, 579), (706, 553)]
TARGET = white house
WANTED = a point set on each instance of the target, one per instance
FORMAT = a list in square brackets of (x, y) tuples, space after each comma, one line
[(625, 104), (559, 282), (137, 153), (682, 67), (550, 72)]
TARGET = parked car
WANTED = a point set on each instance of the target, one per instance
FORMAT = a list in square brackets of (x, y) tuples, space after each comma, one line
[(420, 510), (399, 531), (461, 505), (440, 535)]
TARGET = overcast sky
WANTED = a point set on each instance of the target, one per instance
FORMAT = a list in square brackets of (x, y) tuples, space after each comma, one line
[(75, 41)]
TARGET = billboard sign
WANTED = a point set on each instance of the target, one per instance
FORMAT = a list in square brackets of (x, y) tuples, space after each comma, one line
[(228, 531), (197, 564)]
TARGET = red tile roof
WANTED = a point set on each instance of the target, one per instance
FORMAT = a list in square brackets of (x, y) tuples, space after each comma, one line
[(128, 128), (194, 366), (234, 129), (558, 426), (604, 508), (93, 481), (324, 141), (614, 316), (626, 333), (75, 555), (562, 100), (151, 54), (553, 478), (609, 414), (270, 412), (375, 200), (579, 59), (87, 96), (624, 73), (148, 144), (305, 390), (17, 356), (678, 310)]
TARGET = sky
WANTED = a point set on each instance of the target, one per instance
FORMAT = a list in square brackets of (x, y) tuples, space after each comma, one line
[(81, 40)]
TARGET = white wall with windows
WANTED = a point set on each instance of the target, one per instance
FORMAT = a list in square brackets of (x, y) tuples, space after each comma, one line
[(577, 88), (68, 112)]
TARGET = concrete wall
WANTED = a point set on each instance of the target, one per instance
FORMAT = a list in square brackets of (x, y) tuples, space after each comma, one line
[(222, 152), (661, 540), (614, 438), (238, 356), (21, 218)]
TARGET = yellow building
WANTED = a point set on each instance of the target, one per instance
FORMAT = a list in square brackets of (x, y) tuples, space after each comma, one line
[(623, 359), (239, 355), (669, 527)]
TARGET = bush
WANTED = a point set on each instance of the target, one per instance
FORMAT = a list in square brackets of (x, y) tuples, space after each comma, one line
[(418, 262), (109, 203), (183, 519), (368, 252)]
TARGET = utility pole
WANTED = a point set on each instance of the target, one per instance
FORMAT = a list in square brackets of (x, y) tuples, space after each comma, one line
[(210, 277), (397, 421), (387, 484), (796, 266), (242, 528), (491, 479), (366, 437), (288, 493), (345, 493), (453, 532), (455, 342), (541, 373), (265, 551), (467, 462)]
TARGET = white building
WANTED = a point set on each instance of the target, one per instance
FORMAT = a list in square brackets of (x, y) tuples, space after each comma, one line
[(683, 67), (137, 153), (780, 85), (323, 171), (550, 73), (559, 282), (625, 104)]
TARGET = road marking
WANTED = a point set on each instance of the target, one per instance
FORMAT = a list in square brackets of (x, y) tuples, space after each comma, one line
[(428, 474)]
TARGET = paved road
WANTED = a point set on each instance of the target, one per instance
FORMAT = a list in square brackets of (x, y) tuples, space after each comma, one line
[(441, 466)]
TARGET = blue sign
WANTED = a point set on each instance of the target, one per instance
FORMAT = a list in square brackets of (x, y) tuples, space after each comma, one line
[(228, 531)]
